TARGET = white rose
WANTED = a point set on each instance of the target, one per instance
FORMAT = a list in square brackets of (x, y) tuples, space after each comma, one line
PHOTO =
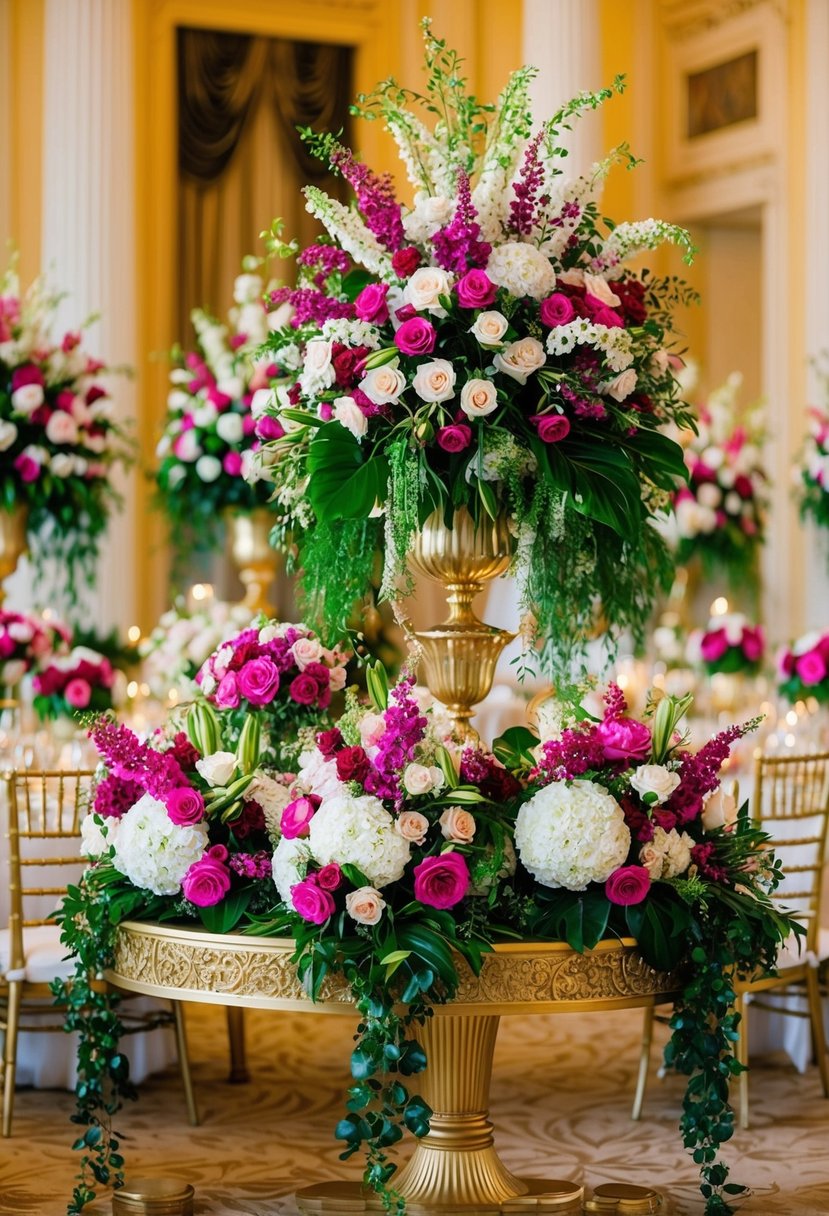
[(93, 841), (489, 328), (733, 503), (305, 651), (601, 289), (621, 386), (435, 381), (8, 434), (520, 359), (208, 468), (232, 386), (347, 412), (247, 288), (179, 400), (425, 287), (365, 905), (186, 446), (280, 318), (63, 465), (383, 385), (317, 370), (478, 398), (719, 809), (27, 398), (261, 401), (654, 779), (660, 361), (229, 427), (417, 779), (218, 768), (457, 825), (175, 476), (709, 495), (62, 428)]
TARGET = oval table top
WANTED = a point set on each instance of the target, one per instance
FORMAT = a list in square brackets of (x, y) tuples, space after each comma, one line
[(192, 964)]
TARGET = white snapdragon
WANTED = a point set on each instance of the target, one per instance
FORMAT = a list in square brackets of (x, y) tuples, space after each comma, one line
[(350, 333), (614, 342), (349, 232), (247, 288)]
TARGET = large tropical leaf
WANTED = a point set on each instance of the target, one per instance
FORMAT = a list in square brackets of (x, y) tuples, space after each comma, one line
[(601, 481), (659, 457), (344, 483)]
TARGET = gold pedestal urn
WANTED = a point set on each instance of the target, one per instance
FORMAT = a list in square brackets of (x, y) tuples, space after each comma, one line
[(459, 655), (12, 542), (252, 554)]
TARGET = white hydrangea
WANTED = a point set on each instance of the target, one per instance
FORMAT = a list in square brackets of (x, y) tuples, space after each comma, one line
[(289, 859), (350, 333), (570, 834), (359, 831), (153, 852), (522, 269), (93, 841), (317, 775)]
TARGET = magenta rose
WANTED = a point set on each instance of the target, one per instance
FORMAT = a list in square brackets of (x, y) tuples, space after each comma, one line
[(185, 806), (370, 305), (227, 695), (552, 428), (441, 882), (28, 469), (312, 902), (78, 693), (304, 689), (29, 373), (405, 261), (811, 667), (625, 739), (628, 885), (329, 877), (454, 438), (232, 464), (753, 644), (269, 428), (296, 818), (259, 681), (476, 290), (557, 309), (352, 764), (417, 336), (207, 881), (713, 646)]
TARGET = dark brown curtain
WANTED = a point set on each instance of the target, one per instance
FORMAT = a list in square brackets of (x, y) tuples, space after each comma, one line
[(241, 161)]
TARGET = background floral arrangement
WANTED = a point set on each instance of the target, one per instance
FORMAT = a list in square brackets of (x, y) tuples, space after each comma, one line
[(728, 644), (25, 641), (803, 669), (68, 684), (486, 348), (812, 468), (59, 440), (210, 430), (720, 513), (182, 642)]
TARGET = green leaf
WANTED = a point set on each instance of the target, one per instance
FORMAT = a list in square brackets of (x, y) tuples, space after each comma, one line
[(601, 481), (224, 916), (344, 482), (514, 748), (431, 948)]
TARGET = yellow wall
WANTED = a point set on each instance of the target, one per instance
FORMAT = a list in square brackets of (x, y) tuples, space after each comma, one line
[(26, 112)]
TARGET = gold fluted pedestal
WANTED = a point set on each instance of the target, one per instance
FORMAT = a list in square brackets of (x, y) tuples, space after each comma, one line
[(454, 1170), (252, 555), (12, 542)]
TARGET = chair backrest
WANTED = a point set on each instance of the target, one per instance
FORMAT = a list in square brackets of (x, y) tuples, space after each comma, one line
[(44, 811), (791, 801)]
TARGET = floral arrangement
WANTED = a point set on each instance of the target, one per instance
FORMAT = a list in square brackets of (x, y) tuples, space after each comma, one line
[(803, 669), (66, 684), (487, 348), (812, 469), (728, 644), (720, 513), (59, 440), (210, 429), (27, 640), (183, 641)]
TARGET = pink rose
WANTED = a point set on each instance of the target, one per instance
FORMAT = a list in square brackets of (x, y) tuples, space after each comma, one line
[(232, 464), (557, 309), (811, 667), (625, 739), (28, 468), (713, 646), (78, 693), (753, 644), (628, 885), (454, 438), (304, 689), (259, 681), (411, 825), (312, 902), (457, 824), (62, 428), (365, 905), (476, 290), (552, 428), (185, 806), (227, 695), (329, 877), (370, 305), (417, 336), (208, 880), (296, 818), (441, 882)]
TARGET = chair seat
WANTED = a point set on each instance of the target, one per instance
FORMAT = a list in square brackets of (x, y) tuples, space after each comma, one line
[(45, 955), (789, 956)]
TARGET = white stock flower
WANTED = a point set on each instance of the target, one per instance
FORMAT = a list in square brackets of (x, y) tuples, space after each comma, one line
[(153, 852), (8, 434), (668, 854), (208, 468), (360, 832), (218, 768), (383, 385), (429, 213), (247, 288), (571, 834), (229, 427), (650, 779), (489, 328), (435, 380), (522, 269), (478, 398), (520, 359), (424, 289), (348, 413)]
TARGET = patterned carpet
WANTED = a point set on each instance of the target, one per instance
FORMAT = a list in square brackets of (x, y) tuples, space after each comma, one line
[(560, 1097)]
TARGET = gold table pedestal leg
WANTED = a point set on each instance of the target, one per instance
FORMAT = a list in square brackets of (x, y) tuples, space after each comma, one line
[(455, 1170)]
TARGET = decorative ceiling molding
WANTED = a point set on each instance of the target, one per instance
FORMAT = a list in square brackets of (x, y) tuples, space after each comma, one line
[(683, 19)]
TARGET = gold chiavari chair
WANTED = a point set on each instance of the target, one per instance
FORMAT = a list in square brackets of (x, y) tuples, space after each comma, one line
[(44, 813)]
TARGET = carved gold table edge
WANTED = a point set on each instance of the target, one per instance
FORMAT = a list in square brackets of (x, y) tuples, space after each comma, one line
[(454, 1170)]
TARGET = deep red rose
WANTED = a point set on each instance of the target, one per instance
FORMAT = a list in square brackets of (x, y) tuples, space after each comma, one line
[(304, 689), (405, 261), (352, 764), (329, 877), (631, 293), (329, 742)]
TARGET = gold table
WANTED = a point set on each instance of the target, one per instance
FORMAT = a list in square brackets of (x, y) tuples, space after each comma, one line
[(454, 1170)]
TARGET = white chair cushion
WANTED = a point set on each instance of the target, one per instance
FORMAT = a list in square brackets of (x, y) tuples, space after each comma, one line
[(45, 959), (789, 956)]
